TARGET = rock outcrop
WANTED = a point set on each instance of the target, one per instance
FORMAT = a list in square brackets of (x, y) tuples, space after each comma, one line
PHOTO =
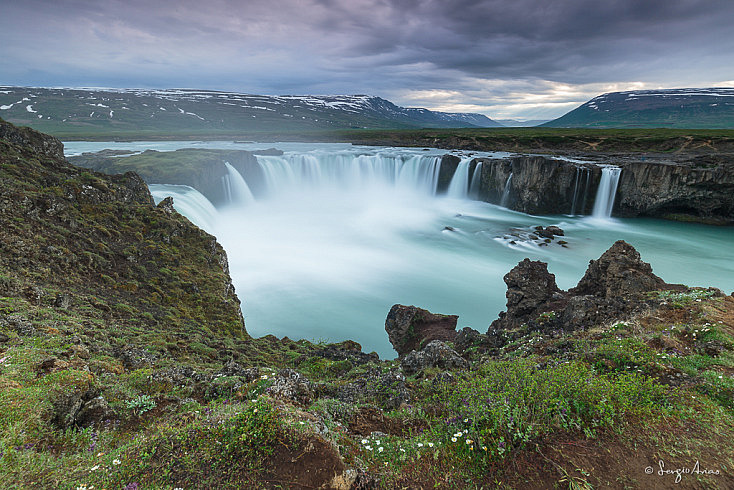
[(202, 169), (698, 190), (539, 185), (434, 355), (618, 272), (67, 229), (612, 288), (409, 327)]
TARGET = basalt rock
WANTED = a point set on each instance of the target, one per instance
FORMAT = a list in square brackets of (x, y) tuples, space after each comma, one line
[(435, 354), (611, 289), (618, 272), (409, 327)]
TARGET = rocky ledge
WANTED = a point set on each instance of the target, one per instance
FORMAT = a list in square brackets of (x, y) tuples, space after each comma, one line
[(693, 189)]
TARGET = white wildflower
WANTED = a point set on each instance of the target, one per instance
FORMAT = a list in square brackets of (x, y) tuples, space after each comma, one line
[(116, 462), (380, 448)]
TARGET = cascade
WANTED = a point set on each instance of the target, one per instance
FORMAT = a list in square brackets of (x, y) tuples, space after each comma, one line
[(604, 201), (459, 185), (287, 173), (475, 178), (506, 192), (236, 189), (189, 202)]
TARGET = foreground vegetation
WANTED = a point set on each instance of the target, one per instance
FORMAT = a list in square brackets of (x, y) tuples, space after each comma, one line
[(124, 364)]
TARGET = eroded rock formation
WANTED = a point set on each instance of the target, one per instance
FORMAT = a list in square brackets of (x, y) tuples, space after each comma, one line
[(612, 288), (409, 327)]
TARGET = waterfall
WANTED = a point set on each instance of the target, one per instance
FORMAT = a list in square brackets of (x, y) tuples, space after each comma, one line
[(506, 192), (189, 202), (459, 185), (604, 201), (475, 178), (287, 173), (236, 189)]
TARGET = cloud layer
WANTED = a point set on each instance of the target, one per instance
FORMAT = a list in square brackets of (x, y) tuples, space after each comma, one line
[(505, 58)]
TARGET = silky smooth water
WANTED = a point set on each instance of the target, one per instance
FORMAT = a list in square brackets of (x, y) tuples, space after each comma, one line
[(325, 257)]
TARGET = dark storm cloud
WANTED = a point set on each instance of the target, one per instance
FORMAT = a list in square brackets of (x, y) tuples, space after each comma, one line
[(486, 55)]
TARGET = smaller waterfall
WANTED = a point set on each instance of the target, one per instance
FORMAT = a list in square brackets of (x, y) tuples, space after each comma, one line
[(604, 201), (189, 202), (506, 192), (236, 189), (475, 178), (459, 185)]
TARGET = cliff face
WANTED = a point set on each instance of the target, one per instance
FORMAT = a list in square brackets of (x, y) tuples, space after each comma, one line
[(66, 232), (698, 190), (202, 169), (539, 185), (660, 190)]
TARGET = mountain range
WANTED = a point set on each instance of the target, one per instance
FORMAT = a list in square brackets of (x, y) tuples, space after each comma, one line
[(63, 110), (671, 108)]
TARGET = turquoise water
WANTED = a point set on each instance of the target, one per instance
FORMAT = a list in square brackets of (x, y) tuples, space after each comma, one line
[(325, 259)]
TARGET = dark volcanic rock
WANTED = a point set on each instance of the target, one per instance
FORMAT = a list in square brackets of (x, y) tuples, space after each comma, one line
[(611, 289), (530, 286), (410, 327), (435, 354), (449, 163), (618, 272)]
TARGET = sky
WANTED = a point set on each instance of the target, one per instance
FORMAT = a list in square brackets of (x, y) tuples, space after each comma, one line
[(521, 59)]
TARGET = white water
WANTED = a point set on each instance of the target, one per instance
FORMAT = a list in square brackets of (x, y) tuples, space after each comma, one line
[(607, 190), (459, 185), (237, 189), (189, 202), (475, 180), (506, 192), (342, 233)]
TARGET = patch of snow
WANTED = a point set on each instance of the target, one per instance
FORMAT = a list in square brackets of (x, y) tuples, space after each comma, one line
[(6, 107), (29, 108), (91, 114)]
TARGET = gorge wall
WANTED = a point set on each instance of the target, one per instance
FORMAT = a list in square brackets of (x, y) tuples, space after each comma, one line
[(203, 169), (696, 190)]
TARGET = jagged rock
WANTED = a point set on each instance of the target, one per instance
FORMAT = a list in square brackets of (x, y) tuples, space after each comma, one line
[(618, 272), (529, 288), (549, 231), (435, 354), (410, 327), (610, 290), (468, 337), (292, 385), (166, 205)]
